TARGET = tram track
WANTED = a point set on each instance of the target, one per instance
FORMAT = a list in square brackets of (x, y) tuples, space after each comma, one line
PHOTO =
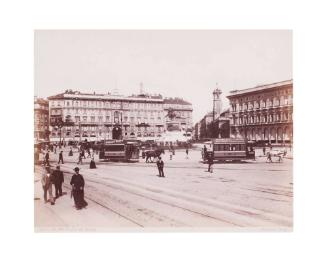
[(107, 193), (107, 207), (236, 217)]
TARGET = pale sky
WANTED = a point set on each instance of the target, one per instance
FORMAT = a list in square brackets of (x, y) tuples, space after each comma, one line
[(186, 63)]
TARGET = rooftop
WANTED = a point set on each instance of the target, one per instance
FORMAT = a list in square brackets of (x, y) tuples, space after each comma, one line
[(76, 94), (176, 100), (41, 101), (260, 88)]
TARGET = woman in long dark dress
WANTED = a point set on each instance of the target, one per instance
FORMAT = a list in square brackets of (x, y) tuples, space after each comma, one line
[(78, 183)]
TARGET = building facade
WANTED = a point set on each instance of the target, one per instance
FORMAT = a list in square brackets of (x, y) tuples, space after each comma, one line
[(205, 126), (41, 119), (263, 113), (106, 116), (178, 114)]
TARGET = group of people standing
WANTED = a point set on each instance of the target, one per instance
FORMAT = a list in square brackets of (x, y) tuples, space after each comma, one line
[(56, 179), (49, 179)]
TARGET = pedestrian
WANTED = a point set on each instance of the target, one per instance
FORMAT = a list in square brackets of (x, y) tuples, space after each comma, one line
[(58, 180), (47, 181), (280, 157), (205, 150), (70, 152), (269, 157), (78, 184), (171, 154), (83, 153), (55, 148), (88, 153), (47, 157), (92, 164), (264, 150), (80, 156), (186, 153), (61, 158), (210, 163), (160, 165)]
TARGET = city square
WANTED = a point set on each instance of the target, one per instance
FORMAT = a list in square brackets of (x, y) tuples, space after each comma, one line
[(173, 149), (251, 195)]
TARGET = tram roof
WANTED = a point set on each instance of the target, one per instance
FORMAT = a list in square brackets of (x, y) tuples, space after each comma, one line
[(228, 140)]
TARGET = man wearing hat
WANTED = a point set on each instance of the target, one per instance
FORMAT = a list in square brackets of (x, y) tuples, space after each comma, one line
[(160, 165), (58, 180), (61, 158), (78, 183)]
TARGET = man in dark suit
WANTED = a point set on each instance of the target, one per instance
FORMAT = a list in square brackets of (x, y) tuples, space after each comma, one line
[(61, 158), (47, 157), (58, 180), (160, 165)]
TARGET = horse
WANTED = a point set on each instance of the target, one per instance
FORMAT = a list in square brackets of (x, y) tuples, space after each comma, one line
[(153, 154)]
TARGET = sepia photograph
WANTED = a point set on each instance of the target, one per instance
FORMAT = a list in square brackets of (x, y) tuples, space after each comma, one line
[(163, 131)]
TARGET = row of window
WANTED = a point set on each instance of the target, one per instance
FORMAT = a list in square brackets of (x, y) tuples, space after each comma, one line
[(262, 104), (177, 106), (262, 119), (228, 147), (107, 112), (69, 131), (116, 119)]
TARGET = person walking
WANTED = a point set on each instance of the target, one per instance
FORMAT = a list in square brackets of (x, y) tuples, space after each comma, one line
[(186, 151), (61, 158), (88, 153), (70, 152), (80, 156), (58, 180), (205, 150), (47, 181), (92, 164), (171, 154), (83, 153), (47, 157), (78, 184), (210, 163), (264, 150), (160, 165), (280, 157), (269, 157)]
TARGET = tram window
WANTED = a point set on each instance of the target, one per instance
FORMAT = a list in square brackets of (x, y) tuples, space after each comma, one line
[(226, 148), (237, 147), (220, 147), (242, 147), (215, 147)]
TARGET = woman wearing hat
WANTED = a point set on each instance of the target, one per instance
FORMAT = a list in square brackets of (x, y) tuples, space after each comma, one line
[(78, 183)]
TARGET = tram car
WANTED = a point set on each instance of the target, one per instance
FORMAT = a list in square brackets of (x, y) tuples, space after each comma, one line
[(229, 149), (126, 151)]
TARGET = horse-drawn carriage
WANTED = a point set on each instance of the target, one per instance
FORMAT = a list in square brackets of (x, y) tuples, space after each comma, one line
[(152, 155)]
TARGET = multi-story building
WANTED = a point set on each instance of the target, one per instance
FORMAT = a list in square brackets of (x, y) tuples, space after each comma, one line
[(41, 119), (215, 123), (178, 114), (263, 113), (205, 126), (105, 116)]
